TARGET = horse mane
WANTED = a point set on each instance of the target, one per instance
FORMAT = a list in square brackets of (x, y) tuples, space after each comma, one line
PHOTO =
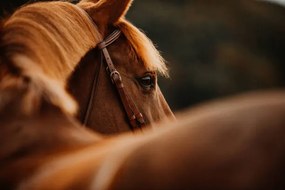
[(55, 30), (42, 43), (143, 46)]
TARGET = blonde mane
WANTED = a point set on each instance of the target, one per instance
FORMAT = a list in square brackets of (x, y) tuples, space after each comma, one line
[(45, 41), (55, 35), (143, 47)]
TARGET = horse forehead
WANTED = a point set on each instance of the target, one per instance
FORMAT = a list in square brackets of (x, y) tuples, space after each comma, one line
[(125, 57)]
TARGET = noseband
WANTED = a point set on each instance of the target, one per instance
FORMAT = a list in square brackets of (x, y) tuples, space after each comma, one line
[(135, 117)]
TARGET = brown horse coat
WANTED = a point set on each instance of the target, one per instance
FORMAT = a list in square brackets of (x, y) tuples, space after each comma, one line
[(232, 144)]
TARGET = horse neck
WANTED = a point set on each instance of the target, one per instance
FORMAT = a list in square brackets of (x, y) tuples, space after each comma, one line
[(53, 41), (37, 130)]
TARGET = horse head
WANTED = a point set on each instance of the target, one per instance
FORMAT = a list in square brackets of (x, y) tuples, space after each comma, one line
[(134, 57), (46, 41)]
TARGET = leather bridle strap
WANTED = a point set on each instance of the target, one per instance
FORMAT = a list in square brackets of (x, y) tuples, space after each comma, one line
[(135, 117), (95, 82)]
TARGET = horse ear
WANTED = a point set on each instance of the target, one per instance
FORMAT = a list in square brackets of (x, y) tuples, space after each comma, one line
[(105, 12)]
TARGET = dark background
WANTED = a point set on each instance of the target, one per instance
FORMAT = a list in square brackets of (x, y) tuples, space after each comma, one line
[(213, 48)]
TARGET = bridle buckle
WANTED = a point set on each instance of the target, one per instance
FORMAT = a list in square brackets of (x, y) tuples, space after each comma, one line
[(113, 75)]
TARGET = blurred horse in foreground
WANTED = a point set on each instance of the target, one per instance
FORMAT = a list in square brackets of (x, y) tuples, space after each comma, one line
[(232, 144)]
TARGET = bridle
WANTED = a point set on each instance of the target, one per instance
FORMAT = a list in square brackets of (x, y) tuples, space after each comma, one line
[(135, 117)]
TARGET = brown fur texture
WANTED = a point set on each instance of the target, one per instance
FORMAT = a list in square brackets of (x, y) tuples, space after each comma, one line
[(229, 144), (105, 12)]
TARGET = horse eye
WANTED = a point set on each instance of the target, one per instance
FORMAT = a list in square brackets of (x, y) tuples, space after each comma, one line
[(147, 82)]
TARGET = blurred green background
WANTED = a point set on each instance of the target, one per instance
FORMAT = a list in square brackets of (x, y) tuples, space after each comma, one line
[(213, 48)]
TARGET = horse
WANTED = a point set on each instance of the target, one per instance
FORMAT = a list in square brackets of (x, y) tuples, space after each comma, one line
[(63, 46), (234, 143)]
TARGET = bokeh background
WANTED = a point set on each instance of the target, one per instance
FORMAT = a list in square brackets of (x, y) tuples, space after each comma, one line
[(213, 48)]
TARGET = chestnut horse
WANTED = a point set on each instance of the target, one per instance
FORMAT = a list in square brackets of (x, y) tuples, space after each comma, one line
[(236, 143), (49, 43)]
